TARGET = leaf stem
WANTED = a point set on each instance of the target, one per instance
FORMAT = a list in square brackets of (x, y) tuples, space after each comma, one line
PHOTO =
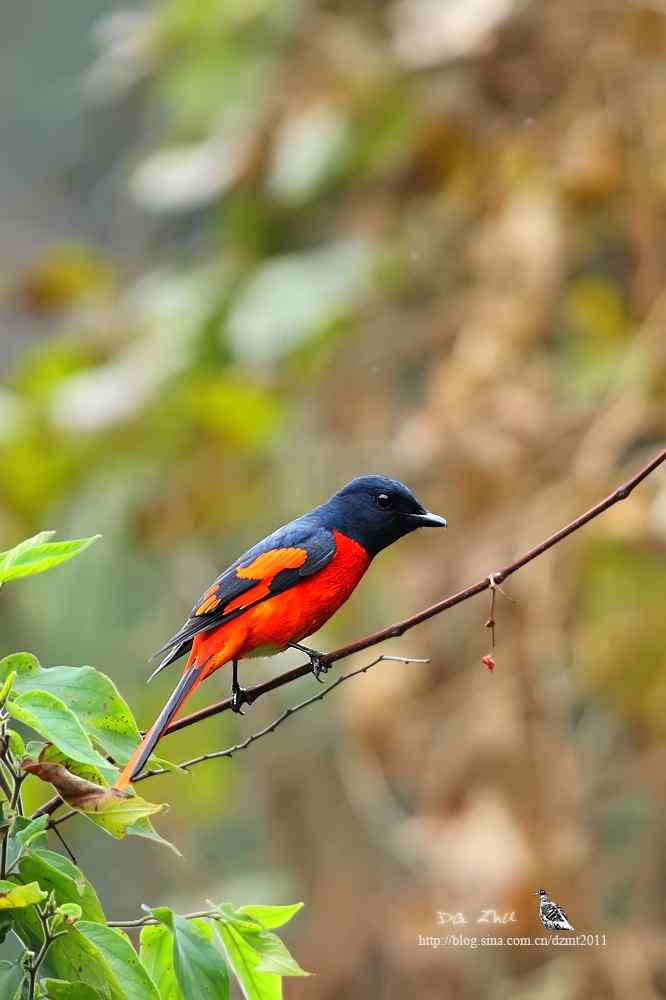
[(148, 921)]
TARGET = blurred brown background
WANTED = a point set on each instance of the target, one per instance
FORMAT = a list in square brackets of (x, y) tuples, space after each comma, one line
[(252, 248)]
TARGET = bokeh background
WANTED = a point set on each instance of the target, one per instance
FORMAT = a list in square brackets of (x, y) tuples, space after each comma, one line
[(252, 248)]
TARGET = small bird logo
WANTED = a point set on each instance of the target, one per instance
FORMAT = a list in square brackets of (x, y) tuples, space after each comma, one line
[(552, 916)]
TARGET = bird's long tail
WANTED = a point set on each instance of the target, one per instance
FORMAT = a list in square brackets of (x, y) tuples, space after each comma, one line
[(185, 687)]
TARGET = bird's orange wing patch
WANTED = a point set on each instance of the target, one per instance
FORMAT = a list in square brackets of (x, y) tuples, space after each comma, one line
[(209, 604), (210, 600), (269, 563), (263, 569)]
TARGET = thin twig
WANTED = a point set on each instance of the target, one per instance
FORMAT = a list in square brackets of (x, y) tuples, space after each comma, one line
[(271, 727), (61, 819), (148, 921), (399, 628), (54, 826), (49, 938)]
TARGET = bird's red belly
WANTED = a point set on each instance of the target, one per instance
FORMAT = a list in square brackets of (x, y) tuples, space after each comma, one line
[(292, 615)]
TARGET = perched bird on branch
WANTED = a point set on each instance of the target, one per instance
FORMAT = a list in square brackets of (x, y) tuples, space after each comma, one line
[(283, 589), (552, 916)]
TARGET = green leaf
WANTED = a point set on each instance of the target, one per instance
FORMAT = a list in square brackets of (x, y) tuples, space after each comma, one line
[(118, 816), (13, 896), (51, 718), (72, 912), (7, 686), (15, 848), (6, 924), (22, 663), (270, 916), (257, 956), (157, 958), (201, 970), (58, 989), (87, 771), (122, 959), (37, 554), (25, 835), (25, 832), (70, 958), (12, 975), (74, 957), (274, 954), (16, 744), (91, 695), (244, 960), (110, 808), (144, 828), (56, 873)]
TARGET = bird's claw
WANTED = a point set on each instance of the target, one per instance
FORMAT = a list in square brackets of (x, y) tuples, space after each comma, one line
[(240, 696), (317, 660), (318, 666)]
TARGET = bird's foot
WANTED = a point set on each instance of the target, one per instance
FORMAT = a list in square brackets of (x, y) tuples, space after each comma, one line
[(240, 696), (317, 662), (318, 666)]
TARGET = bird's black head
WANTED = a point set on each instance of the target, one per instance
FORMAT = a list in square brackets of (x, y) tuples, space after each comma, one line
[(375, 511), (541, 892)]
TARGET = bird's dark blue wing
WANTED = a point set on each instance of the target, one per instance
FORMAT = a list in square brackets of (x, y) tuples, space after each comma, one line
[(280, 561)]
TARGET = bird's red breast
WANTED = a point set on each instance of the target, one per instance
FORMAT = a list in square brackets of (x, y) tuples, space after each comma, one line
[(289, 616)]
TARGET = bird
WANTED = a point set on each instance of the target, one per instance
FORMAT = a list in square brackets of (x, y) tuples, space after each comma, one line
[(552, 916), (282, 590)]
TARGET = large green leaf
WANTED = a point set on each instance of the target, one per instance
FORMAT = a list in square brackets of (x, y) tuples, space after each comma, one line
[(122, 959), (58, 989), (55, 872), (201, 970), (91, 695), (75, 957), (12, 975), (258, 957), (48, 715), (37, 554), (244, 960), (157, 958)]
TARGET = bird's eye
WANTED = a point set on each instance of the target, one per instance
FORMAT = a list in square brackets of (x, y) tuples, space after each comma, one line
[(383, 501)]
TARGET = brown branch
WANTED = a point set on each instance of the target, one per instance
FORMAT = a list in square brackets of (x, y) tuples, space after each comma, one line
[(399, 628), (272, 726), (393, 631)]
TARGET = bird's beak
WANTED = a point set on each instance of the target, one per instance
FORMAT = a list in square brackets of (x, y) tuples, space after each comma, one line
[(428, 520)]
